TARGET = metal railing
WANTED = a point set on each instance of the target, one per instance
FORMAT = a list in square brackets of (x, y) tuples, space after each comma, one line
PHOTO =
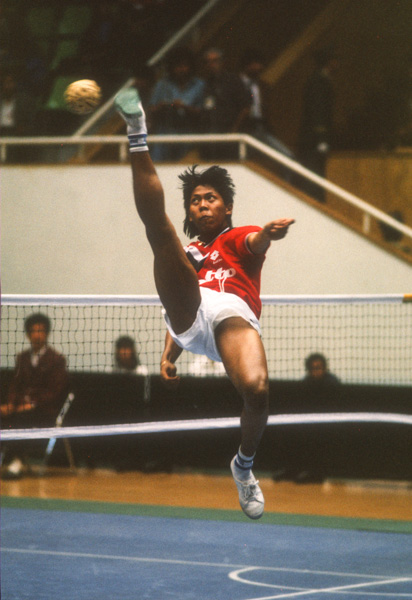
[(243, 141)]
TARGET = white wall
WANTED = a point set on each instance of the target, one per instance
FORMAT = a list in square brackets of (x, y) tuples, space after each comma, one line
[(74, 230)]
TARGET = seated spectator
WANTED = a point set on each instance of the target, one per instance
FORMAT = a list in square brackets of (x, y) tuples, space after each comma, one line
[(321, 393), (131, 452), (176, 103), (226, 102), (317, 374), (126, 357), (36, 393)]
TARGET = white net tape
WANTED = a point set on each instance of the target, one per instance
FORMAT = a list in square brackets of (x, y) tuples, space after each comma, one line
[(200, 424)]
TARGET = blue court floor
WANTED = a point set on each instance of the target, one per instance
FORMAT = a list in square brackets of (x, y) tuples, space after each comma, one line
[(78, 553)]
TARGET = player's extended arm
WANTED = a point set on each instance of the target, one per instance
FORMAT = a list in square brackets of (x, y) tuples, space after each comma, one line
[(259, 242), (170, 355)]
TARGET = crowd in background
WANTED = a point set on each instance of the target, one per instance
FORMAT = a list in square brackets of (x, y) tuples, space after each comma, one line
[(108, 40), (191, 92)]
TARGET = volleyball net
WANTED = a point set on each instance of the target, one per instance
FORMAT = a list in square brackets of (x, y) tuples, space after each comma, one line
[(365, 339)]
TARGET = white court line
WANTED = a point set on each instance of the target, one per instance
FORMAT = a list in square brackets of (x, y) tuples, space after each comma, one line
[(343, 589), (235, 576), (117, 557), (378, 579), (194, 563), (299, 592)]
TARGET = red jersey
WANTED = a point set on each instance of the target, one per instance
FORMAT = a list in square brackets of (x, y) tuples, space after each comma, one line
[(228, 265)]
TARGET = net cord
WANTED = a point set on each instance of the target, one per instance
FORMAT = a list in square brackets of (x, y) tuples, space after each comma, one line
[(153, 300), (200, 424)]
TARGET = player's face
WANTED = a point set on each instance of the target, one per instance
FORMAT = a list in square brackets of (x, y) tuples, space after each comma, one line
[(37, 336), (208, 212)]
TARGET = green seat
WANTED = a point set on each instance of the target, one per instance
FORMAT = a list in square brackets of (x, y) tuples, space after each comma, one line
[(74, 20), (65, 49), (56, 100), (41, 21)]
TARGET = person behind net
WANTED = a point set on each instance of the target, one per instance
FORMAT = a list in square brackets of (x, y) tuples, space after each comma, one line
[(36, 393), (318, 376), (322, 392), (126, 357), (309, 458), (210, 289)]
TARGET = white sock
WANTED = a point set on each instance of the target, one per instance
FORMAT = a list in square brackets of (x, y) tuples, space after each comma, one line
[(137, 138), (243, 464), (137, 131)]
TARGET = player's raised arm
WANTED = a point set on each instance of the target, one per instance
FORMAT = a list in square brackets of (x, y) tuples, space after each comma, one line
[(259, 242)]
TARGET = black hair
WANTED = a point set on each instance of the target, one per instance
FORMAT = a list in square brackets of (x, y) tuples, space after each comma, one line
[(124, 342), (216, 177), (315, 356), (37, 319)]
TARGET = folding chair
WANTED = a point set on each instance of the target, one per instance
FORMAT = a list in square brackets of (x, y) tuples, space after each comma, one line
[(52, 441)]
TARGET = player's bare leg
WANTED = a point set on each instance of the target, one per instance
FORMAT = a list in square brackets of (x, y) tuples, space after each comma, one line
[(175, 278), (244, 358)]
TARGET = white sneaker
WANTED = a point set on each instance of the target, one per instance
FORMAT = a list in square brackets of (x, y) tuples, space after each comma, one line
[(129, 105), (250, 495)]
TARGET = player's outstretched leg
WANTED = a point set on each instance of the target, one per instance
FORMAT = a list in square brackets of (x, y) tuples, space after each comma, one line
[(175, 278)]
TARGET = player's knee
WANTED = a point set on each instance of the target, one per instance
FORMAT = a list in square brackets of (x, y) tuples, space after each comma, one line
[(256, 393)]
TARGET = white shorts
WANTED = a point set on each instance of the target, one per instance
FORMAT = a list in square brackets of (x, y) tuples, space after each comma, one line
[(214, 308)]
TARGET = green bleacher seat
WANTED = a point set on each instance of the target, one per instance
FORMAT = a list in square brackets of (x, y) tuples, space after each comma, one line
[(64, 49), (55, 100), (42, 21), (74, 20)]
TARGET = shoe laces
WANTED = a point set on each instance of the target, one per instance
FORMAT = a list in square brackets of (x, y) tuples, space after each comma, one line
[(249, 490)]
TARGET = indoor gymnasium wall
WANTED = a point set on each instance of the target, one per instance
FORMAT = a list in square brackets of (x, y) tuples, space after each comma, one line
[(74, 230)]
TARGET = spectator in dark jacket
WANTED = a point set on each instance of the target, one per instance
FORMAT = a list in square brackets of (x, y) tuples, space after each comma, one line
[(36, 393), (317, 373), (308, 460)]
